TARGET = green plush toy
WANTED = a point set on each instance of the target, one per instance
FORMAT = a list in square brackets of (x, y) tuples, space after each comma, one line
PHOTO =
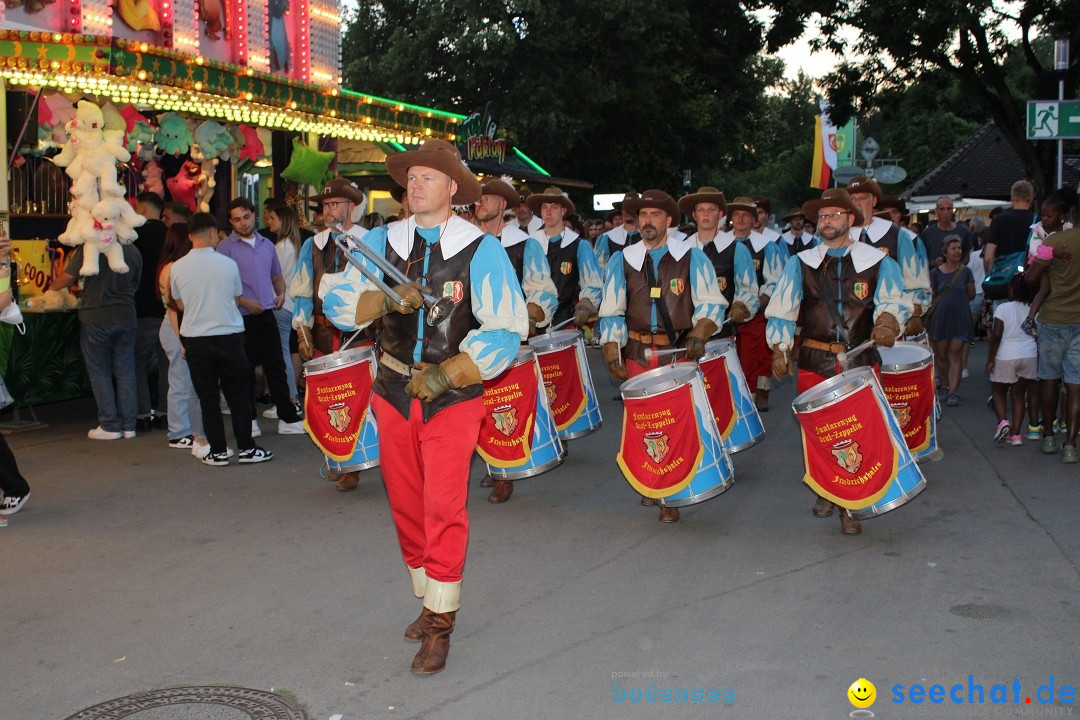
[(308, 167)]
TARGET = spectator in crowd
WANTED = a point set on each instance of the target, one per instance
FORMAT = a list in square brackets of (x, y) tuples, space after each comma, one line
[(1012, 362), (13, 485), (950, 323), (1009, 231), (286, 227), (109, 328), (978, 273), (149, 312), (934, 234), (977, 226), (185, 412), (175, 212), (207, 289), (267, 230), (264, 289)]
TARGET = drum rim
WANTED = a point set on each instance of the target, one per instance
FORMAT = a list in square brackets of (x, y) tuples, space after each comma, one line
[(711, 347), (700, 498), (524, 355), (339, 359), (667, 384), (558, 340), (906, 366), (904, 499), (828, 391)]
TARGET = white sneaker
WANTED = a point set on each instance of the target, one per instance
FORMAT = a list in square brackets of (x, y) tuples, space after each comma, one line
[(256, 431), (129, 434), (964, 374), (293, 428), (99, 434), (270, 413)]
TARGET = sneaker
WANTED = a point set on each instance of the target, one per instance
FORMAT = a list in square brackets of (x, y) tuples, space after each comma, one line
[(99, 434), (264, 399), (964, 373), (129, 434), (1069, 454), (270, 413), (1002, 431), (216, 459), (13, 503), (953, 400), (183, 443), (1015, 440), (1034, 433), (255, 455), (1049, 445), (293, 428), (256, 431), (1059, 426)]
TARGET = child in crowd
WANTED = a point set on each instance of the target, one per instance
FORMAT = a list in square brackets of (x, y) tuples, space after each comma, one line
[(1012, 361)]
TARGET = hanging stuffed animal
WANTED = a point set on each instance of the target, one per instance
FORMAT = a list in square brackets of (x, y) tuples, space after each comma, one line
[(152, 179), (88, 151), (139, 132), (249, 144), (54, 113), (139, 15), (173, 135), (213, 13), (186, 184), (102, 238)]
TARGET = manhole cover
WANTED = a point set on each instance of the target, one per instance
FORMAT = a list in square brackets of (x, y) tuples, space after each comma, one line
[(196, 703)]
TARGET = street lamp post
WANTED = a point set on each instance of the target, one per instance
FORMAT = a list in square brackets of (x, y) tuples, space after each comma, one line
[(1061, 68)]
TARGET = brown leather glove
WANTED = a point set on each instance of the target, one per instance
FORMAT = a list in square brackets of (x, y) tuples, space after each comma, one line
[(764, 300), (306, 344), (613, 358), (433, 380), (914, 324), (536, 316), (373, 304), (695, 341), (781, 362), (885, 330), (738, 312), (411, 300), (584, 312)]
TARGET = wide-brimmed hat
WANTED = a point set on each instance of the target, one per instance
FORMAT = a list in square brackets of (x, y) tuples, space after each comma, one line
[(742, 202), (617, 206), (760, 201), (864, 184), (654, 199), (550, 195), (705, 194), (833, 197), (398, 193), (498, 186), (340, 188), (893, 201), (437, 155), (793, 212)]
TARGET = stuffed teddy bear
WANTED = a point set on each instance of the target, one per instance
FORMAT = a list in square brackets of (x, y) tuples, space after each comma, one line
[(173, 135), (53, 300), (186, 184), (152, 179), (87, 150), (213, 139), (249, 146), (102, 239)]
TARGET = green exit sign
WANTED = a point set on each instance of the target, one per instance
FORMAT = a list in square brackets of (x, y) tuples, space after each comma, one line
[(1053, 119)]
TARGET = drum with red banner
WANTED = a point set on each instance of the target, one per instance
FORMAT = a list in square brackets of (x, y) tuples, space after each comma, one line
[(853, 448), (907, 377), (662, 454), (732, 403), (568, 382), (337, 411), (518, 438)]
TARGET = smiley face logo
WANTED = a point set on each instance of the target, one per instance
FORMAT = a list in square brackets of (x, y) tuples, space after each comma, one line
[(862, 693)]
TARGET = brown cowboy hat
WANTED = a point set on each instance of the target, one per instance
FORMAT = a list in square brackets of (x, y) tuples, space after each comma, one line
[(550, 195), (742, 203), (705, 194), (340, 188), (654, 199), (893, 201), (498, 186), (617, 206), (833, 197), (864, 184), (760, 201), (437, 155), (793, 212), (398, 193)]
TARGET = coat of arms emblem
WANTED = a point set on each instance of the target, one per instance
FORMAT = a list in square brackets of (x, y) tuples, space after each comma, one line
[(339, 417), (454, 290), (847, 455), (902, 412), (505, 419), (656, 444), (566, 267), (861, 290), (677, 286)]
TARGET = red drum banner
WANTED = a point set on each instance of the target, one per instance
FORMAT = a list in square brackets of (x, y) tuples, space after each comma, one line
[(510, 413), (911, 397), (661, 447), (334, 407), (564, 385), (848, 450), (718, 390)]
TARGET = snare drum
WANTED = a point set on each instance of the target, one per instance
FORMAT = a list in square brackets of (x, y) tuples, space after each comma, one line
[(518, 438), (659, 456), (568, 382), (737, 417), (922, 338), (853, 446), (907, 377), (331, 408)]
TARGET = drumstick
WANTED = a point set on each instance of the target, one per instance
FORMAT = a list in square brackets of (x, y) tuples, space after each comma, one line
[(564, 323), (650, 353), (845, 356)]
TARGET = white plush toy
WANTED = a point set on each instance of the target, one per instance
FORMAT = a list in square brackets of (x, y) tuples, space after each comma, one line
[(102, 238), (88, 151)]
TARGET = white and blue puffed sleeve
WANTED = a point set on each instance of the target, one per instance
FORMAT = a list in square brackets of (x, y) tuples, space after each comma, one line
[(302, 289), (591, 277), (601, 249), (536, 281), (890, 295), (783, 310), (775, 260), (612, 322), (340, 292), (498, 304), (914, 268), (709, 301), (746, 284)]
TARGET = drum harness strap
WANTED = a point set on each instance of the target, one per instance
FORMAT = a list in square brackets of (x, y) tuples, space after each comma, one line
[(656, 292)]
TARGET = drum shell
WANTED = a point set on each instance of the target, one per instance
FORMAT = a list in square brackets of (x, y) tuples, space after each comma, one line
[(748, 429), (907, 357), (366, 454), (590, 419)]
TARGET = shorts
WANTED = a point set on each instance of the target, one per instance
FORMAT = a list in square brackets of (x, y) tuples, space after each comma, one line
[(1059, 352), (1009, 371)]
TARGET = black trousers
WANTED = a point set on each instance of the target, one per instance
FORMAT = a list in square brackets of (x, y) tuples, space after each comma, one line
[(218, 363), (11, 481), (263, 344)]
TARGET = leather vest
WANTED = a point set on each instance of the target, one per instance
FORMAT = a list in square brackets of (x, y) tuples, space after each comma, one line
[(516, 253), (759, 260), (856, 294), (400, 332), (888, 242), (723, 262), (673, 278), (566, 276)]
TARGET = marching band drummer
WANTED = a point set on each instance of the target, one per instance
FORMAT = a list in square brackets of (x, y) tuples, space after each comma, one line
[(573, 264), (533, 272), (618, 238), (428, 391), (672, 300), (848, 292), (732, 261), (315, 334)]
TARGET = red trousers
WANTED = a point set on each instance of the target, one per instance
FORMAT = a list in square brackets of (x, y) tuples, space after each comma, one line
[(755, 355), (426, 471), (634, 368)]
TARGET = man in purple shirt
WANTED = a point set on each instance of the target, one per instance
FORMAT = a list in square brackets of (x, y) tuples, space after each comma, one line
[(264, 291)]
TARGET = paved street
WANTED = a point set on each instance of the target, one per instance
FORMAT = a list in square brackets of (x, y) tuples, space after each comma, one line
[(134, 567)]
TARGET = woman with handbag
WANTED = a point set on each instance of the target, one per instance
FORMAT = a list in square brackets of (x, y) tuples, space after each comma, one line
[(953, 286)]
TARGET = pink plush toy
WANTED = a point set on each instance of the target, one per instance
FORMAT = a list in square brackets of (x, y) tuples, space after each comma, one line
[(152, 181), (186, 184), (252, 148)]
